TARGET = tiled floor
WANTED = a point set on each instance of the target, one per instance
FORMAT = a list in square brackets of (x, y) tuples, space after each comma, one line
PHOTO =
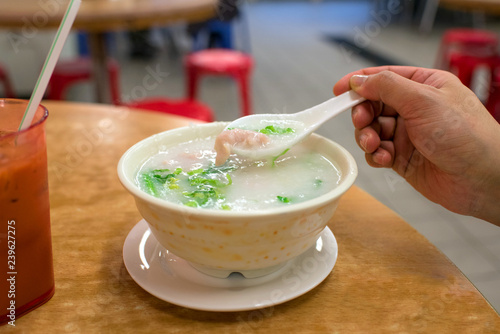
[(297, 68)]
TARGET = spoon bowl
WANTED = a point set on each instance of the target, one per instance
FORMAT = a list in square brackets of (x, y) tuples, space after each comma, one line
[(299, 125)]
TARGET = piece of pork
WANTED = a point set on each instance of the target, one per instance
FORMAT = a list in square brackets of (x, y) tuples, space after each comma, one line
[(227, 139)]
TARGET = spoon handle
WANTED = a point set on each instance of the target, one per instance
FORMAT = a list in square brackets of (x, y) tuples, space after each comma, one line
[(319, 114)]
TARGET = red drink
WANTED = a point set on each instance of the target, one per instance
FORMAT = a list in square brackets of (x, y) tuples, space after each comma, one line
[(26, 270)]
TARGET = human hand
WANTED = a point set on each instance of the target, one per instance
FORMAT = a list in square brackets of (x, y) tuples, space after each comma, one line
[(431, 130)]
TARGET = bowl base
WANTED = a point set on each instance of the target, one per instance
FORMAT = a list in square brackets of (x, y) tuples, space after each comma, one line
[(225, 273)]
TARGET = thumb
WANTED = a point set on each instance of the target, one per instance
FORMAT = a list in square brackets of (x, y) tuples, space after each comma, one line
[(405, 96)]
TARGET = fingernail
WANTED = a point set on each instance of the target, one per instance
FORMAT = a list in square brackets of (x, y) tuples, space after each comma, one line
[(354, 113), (357, 81), (362, 141), (378, 158)]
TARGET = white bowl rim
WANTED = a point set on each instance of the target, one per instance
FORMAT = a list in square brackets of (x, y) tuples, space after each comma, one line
[(227, 214)]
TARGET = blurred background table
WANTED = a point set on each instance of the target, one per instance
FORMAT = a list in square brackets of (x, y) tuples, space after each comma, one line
[(486, 6), (479, 8), (100, 16), (388, 278)]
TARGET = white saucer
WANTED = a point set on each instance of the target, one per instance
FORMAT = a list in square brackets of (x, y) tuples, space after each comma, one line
[(174, 280)]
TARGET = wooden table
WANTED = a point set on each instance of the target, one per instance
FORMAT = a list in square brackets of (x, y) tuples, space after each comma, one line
[(388, 278), (101, 16)]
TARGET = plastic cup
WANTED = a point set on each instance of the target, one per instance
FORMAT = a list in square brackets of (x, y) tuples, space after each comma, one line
[(26, 267)]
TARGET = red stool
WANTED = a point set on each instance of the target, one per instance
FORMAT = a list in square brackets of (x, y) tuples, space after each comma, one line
[(220, 62), (186, 108), (473, 42), (465, 68), (69, 72), (7, 85)]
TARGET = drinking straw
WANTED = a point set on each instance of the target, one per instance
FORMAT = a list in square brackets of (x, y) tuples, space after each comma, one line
[(50, 63)]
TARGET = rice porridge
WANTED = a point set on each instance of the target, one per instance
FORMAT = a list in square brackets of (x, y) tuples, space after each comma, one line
[(186, 174)]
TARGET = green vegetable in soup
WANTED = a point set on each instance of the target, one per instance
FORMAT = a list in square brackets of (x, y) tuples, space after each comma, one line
[(276, 130), (199, 187), (148, 184), (155, 180), (273, 130), (279, 155), (283, 199), (163, 175)]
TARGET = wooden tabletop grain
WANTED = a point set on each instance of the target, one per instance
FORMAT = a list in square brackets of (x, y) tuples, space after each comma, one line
[(388, 278)]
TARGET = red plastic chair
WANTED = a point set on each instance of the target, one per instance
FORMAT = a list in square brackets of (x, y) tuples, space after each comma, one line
[(7, 85), (226, 62), (70, 72), (186, 108), (465, 67), (67, 73), (473, 42)]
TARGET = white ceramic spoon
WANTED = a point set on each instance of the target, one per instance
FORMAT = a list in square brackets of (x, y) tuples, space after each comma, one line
[(303, 123)]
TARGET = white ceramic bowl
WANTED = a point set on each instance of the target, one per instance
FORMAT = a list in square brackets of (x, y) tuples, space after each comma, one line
[(219, 242)]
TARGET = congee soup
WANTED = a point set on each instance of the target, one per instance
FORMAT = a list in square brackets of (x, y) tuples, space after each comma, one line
[(186, 174)]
